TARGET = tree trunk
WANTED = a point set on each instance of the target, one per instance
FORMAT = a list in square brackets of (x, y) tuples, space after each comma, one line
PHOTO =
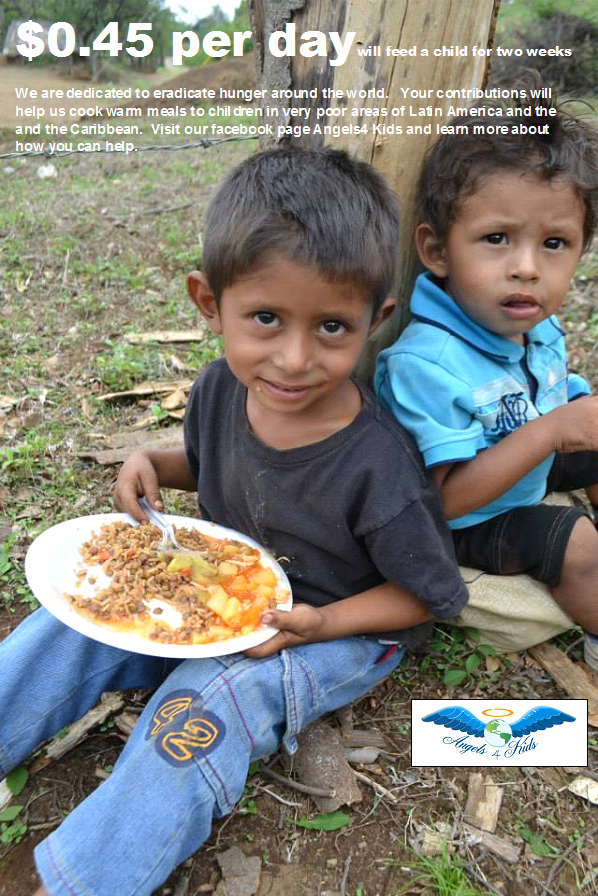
[(411, 25)]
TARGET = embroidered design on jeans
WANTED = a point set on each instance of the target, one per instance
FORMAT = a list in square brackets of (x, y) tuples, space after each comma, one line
[(182, 728), (511, 414), (171, 707)]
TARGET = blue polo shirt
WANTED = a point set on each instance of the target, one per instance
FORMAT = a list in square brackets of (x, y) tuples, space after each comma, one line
[(460, 388)]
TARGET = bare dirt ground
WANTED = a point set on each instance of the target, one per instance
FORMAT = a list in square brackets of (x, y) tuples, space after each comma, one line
[(86, 257)]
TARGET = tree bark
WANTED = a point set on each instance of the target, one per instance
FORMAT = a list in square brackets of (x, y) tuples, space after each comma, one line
[(396, 24)]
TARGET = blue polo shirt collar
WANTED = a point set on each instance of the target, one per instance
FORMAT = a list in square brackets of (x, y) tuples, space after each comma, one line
[(431, 304)]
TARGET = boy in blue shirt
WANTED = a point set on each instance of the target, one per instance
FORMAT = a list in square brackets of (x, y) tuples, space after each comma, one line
[(479, 376), (282, 444)]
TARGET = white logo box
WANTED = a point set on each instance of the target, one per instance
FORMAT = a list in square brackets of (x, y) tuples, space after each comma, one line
[(495, 732)]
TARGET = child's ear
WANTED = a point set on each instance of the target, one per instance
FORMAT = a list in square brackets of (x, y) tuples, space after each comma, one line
[(431, 250), (204, 300), (386, 309)]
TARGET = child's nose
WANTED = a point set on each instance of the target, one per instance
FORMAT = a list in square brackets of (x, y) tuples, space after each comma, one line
[(295, 354), (524, 264)]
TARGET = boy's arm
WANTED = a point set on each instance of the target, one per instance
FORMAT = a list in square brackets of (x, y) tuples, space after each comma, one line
[(144, 473), (464, 486), (386, 607)]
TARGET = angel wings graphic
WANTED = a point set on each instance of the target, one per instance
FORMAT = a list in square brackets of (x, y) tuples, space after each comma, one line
[(460, 719)]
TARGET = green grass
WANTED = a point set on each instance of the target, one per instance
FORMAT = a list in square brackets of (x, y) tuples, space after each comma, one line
[(456, 656), (13, 587), (122, 366), (441, 875), (97, 252), (516, 14)]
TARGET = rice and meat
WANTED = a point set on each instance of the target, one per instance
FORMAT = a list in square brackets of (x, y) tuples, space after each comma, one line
[(218, 593)]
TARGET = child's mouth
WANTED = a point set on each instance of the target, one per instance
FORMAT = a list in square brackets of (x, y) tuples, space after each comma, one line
[(520, 306), (287, 393)]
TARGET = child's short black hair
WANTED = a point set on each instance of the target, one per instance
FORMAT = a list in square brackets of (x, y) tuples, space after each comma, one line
[(316, 207), (455, 164)]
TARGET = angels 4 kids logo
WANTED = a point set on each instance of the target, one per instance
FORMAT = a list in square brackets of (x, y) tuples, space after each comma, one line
[(514, 733)]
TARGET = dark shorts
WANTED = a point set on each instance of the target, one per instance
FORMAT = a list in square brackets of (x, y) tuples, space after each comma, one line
[(530, 540)]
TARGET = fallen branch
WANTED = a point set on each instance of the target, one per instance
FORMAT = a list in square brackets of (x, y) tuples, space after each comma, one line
[(61, 744), (347, 865), (580, 770), (499, 846), (572, 677), (470, 871), (128, 219), (380, 790), (145, 389), (6, 794), (66, 268), (575, 845), (295, 785), (484, 799), (122, 444), (165, 336), (276, 797)]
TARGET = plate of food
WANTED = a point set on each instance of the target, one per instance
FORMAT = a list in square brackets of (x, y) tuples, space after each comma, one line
[(106, 577)]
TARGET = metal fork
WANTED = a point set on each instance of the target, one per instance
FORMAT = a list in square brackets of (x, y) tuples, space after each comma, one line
[(159, 520)]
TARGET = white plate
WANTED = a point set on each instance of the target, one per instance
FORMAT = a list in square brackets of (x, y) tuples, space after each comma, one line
[(53, 559)]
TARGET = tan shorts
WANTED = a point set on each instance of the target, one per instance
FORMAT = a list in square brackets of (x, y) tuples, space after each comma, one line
[(515, 612), (511, 613)]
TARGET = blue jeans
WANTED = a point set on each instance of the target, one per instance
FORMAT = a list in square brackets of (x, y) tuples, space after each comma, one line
[(187, 758)]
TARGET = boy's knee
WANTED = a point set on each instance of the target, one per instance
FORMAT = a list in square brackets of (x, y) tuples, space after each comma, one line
[(581, 555)]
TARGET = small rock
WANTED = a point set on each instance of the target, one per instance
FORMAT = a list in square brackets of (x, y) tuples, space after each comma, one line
[(320, 762), (367, 755), (240, 873), (45, 171)]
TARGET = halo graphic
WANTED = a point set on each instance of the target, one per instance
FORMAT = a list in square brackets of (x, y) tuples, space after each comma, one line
[(497, 709)]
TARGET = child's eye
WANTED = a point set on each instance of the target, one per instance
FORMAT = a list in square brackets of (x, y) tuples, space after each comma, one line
[(496, 239), (333, 327), (265, 318), (554, 242)]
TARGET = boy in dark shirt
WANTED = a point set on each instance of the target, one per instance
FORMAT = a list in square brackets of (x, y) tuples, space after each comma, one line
[(282, 444)]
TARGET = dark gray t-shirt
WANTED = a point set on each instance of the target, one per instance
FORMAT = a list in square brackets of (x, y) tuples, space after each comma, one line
[(342, 515)]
